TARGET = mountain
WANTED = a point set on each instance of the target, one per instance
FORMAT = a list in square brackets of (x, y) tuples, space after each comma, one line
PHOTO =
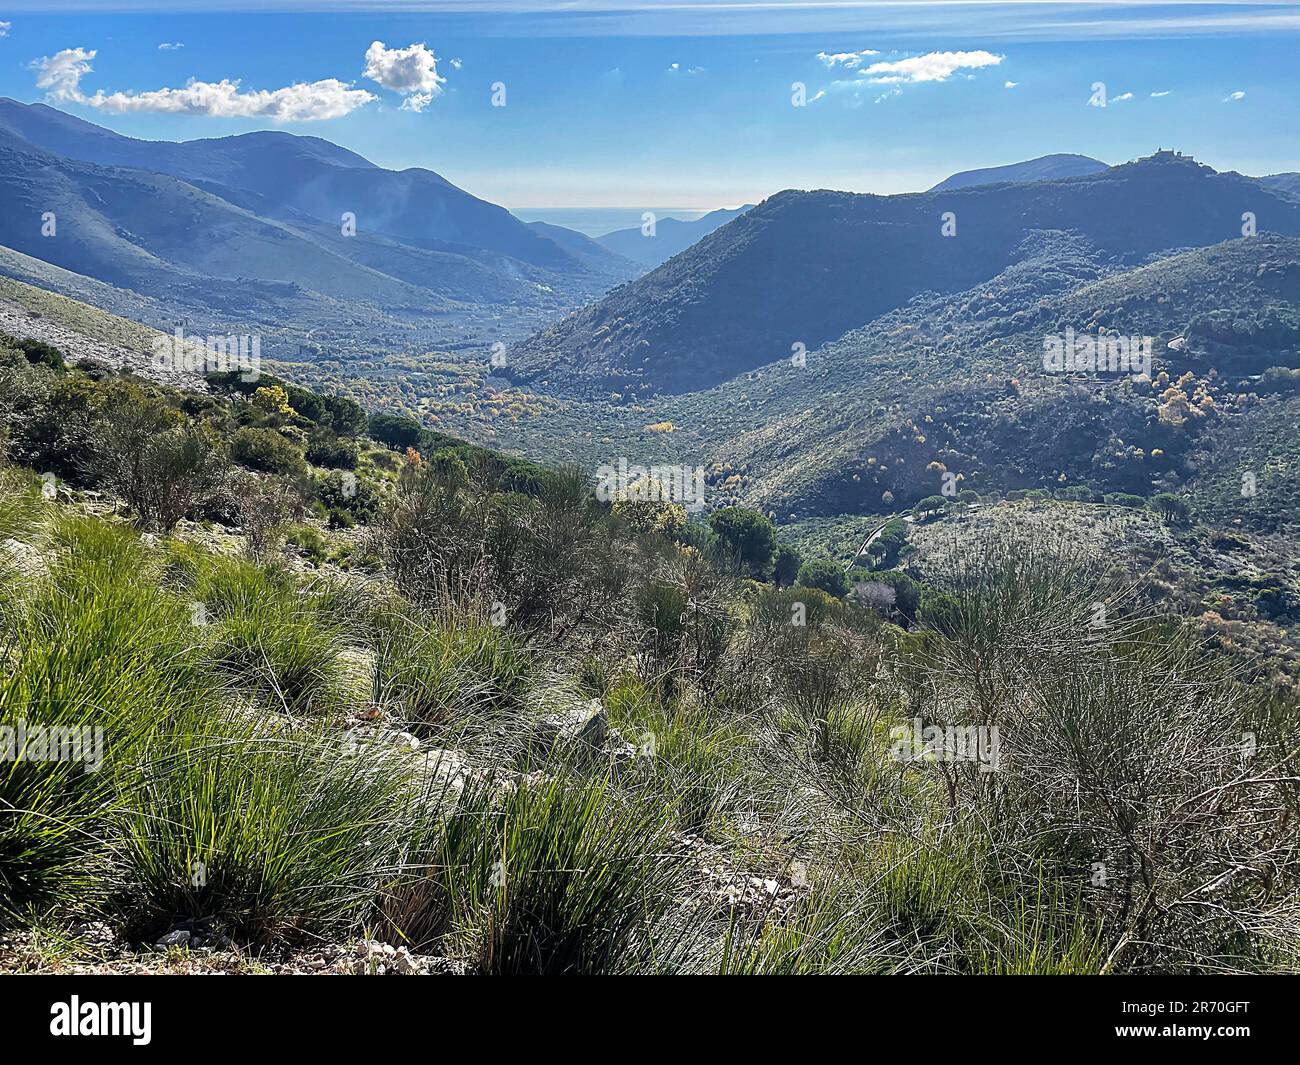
[(248, 228), (1283, 182), (586, 250), (803, 268), (671, 236), (281, 175), (1044, 168), (955, 384)]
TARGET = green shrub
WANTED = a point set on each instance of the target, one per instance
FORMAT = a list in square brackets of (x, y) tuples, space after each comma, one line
[(826, 574), (395, 430), (267, 451), (785, 566), (326, 449), (746, 536), (37, 351)]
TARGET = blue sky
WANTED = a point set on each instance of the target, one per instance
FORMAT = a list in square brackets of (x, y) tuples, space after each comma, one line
[(688, 104)]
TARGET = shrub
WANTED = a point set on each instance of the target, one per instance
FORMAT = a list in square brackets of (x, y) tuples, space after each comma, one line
[(351, 494), (748, 537), (38, 352), (267, 451), (826, 574), (939, 611), (396, 430), (785, 567), (162, 476), (900, 592), (326, 449), (263, 507), (548, 561), (779, 607), (272, 399)]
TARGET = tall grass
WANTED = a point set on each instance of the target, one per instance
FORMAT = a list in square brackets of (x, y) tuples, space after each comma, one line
[(696, 760), (271, 638), (442, 679), (97, 645), (270, 838), (554, 876)]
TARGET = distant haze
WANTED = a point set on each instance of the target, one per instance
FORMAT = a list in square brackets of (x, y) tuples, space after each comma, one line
[(597, 221)]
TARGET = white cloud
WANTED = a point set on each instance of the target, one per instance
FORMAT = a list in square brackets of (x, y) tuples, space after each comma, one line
[(1162, 92), (1121, 96), (915, 70), (5, 27), (933, 66), (848, 60), (1010, 84), (304, 102), (411, 71), (456, 64), (1238, 95), (60, 75), (170, 46)]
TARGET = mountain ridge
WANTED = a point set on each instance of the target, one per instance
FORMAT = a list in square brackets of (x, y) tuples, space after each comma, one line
[(802, 268), (1043, 168)]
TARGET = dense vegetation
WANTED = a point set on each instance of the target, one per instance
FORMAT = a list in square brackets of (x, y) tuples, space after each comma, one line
[(500, 722)]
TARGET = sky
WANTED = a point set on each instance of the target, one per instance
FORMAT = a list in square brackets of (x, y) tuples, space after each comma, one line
[(691, 104)]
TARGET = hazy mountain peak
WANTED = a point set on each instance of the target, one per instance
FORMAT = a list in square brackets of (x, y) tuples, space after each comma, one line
[(1044, 168)]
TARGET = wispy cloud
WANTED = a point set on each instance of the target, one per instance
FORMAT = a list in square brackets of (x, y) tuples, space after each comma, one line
[(60, 76), (933, 66), (5, 27), (894, 74), (170, 46), (1158, 95), (923, 20), (1121, 97), (848, 60), (1010, 84), (1234, 96)]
